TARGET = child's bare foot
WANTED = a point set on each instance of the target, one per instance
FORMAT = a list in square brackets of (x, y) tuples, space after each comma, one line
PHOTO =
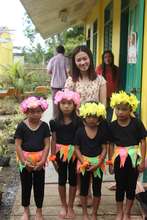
[(126, 217), (86, 217), (63, 213), (119, 216), (78, 200), (94, 217), (26, 214), (89, 201), (39, 215), (70, 213)]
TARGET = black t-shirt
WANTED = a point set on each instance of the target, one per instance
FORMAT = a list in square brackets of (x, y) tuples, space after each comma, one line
[(92, 147), (128, 135), (32, 141), (65, 133)]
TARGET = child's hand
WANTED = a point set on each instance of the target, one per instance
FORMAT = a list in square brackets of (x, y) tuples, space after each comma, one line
[(39, 165), (111, 169), (55, 166), (29, 166), (141, 166), (92, 167)]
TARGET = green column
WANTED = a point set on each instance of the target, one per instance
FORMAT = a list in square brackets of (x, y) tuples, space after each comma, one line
[(145, 176)]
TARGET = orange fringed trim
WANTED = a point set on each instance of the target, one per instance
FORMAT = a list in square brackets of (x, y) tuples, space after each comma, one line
[(84, 165), (64, 150), (52, 158), (109, 162)]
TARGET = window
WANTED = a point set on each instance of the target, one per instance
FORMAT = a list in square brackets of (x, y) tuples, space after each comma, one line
[(94, 42), (108, 27), (88, 38)]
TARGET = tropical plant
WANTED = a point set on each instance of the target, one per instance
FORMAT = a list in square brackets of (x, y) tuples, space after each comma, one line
[(3, 144), (6, 106), (16, 76)]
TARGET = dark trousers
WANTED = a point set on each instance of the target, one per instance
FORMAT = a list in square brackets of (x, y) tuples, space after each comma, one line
[(85, 182), (67, 170), (126, 179), (35, 179)]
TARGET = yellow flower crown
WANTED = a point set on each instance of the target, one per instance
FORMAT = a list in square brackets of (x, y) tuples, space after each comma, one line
[(123, 97), (91, 108)]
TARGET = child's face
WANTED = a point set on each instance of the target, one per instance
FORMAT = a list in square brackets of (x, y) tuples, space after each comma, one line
[(35, 113), (107, 58), (82, 61), (66, 106), (123, 111), (91, 120)]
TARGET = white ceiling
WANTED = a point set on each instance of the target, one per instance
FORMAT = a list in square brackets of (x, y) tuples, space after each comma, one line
[(47, 15)]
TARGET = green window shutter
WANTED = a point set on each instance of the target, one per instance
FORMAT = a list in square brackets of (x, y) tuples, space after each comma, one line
[(108, 27), (94, 42)]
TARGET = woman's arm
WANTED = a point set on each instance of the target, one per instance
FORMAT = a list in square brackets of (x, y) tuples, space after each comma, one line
[(103, 94)]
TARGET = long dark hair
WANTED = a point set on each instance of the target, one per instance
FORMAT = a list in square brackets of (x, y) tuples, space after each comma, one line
[(75, 71), (113, 67)]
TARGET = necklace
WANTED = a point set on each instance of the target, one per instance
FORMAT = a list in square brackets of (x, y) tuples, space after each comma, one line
[(32, 129)]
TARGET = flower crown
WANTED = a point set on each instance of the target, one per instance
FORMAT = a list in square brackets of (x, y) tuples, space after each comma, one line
[(68, 95), (33, 102), (91, 108), (123, 97)]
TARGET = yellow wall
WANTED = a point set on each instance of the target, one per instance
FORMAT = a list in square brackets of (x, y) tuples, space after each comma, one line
[(98, 13), (6, 51), (116, 30), (144, 73)]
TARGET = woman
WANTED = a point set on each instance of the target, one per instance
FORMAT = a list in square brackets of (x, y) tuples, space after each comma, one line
[(111, 73), (84, 80)]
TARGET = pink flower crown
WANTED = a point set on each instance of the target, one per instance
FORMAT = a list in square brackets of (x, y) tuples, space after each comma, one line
[(33, 102), (68, 95)]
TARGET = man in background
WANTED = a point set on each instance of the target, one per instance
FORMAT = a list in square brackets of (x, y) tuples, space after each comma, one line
[(58, 67)]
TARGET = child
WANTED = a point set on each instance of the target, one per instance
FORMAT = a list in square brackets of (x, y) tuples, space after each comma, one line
[(127, 133), (32, 147), (87, 83), (90, 147), (63, 132)]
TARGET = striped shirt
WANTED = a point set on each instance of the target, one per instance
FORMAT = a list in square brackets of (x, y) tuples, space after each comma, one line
[(58, 67)]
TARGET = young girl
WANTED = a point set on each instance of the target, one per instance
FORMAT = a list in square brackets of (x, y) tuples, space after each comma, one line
[(63, 132), (127, 133), (90, 147), (32, 147)]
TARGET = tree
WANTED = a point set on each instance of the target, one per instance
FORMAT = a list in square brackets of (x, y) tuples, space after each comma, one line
[(38, 54)]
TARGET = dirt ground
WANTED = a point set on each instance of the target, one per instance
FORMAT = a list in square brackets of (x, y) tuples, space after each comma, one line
[(9, 176)]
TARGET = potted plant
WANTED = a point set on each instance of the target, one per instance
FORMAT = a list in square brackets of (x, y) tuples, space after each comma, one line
[(4, 151)]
